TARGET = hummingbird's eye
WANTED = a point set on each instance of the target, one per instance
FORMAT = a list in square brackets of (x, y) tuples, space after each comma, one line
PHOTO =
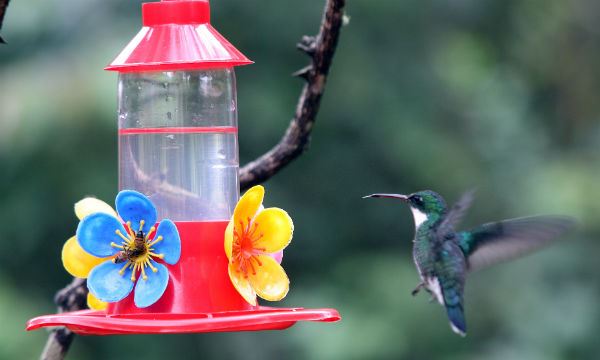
[(417, 199)]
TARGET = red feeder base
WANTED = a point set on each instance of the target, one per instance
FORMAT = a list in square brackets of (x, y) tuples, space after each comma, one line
[(90, 322), (199, 298)]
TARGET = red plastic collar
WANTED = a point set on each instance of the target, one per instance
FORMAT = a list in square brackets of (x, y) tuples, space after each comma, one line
[(177, 35), (175, 12)]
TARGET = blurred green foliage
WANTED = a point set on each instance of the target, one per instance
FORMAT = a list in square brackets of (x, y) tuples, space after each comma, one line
[(497, 95)]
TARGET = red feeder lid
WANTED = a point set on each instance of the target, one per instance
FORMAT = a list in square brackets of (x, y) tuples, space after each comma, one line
[(177, 35)]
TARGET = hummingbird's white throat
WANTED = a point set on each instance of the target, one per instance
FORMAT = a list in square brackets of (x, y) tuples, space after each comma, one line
[(420, 217)]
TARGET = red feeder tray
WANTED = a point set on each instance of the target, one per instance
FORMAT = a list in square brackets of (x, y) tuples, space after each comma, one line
[(90, 322)]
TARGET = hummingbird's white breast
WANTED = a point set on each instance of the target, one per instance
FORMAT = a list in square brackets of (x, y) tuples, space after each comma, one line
[(419, 216)]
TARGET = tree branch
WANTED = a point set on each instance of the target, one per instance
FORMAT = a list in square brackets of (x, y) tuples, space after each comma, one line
[(72, 298), (293, 143), (3, 7), (297, 136)]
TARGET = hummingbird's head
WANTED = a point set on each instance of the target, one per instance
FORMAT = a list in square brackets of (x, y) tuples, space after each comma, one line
[(424, 204), (428, 202)]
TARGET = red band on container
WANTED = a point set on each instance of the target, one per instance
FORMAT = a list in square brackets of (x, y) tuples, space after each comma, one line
[(179, 130)]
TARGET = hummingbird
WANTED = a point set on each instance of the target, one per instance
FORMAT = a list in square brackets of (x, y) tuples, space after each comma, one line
[(444, 256)]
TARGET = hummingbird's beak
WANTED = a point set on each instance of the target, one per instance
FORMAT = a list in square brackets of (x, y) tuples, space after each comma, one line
[(393, 196)]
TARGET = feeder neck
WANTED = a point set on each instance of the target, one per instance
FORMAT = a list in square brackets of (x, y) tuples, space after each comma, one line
[(183, 12)]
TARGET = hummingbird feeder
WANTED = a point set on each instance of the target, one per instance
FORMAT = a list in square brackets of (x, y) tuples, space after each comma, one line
[(178, 147)]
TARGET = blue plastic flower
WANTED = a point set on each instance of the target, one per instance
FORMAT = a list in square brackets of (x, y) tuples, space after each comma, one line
[(133, 249)]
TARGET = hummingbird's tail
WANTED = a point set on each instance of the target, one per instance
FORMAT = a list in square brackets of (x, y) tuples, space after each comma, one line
[(456, 316)]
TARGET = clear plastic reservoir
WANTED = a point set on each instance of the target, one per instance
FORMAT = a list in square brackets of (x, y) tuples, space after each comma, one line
[(178, 141)]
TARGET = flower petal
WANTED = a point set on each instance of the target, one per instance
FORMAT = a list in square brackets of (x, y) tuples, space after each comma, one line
[(270, 281), (248, 205), (278, 256), (242, 285), (134, 206), (92, 205), (76, 260), (148, 291), (276, 229), (107, 284), (97, 231), (229, 239), (170, 245), (95, 304)]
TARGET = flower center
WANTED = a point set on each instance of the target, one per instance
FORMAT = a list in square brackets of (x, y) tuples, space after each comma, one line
[(245, 252), (137, 251)]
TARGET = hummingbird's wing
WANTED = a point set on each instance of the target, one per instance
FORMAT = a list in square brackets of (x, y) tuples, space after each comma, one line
[(456, 213), (494, 242)]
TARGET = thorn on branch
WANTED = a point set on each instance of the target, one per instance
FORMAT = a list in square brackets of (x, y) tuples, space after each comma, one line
[(308, 44), (304, 73), (346, 20)]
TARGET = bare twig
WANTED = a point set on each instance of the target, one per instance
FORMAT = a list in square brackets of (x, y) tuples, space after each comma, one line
[(295, 140), (3, 7), (297, 136), (71, 298)]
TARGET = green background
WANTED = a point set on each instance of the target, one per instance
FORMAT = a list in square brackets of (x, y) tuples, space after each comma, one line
[(445, 95)]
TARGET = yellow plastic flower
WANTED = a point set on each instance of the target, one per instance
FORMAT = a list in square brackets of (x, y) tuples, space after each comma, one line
[(253, 236), (76, 260)]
